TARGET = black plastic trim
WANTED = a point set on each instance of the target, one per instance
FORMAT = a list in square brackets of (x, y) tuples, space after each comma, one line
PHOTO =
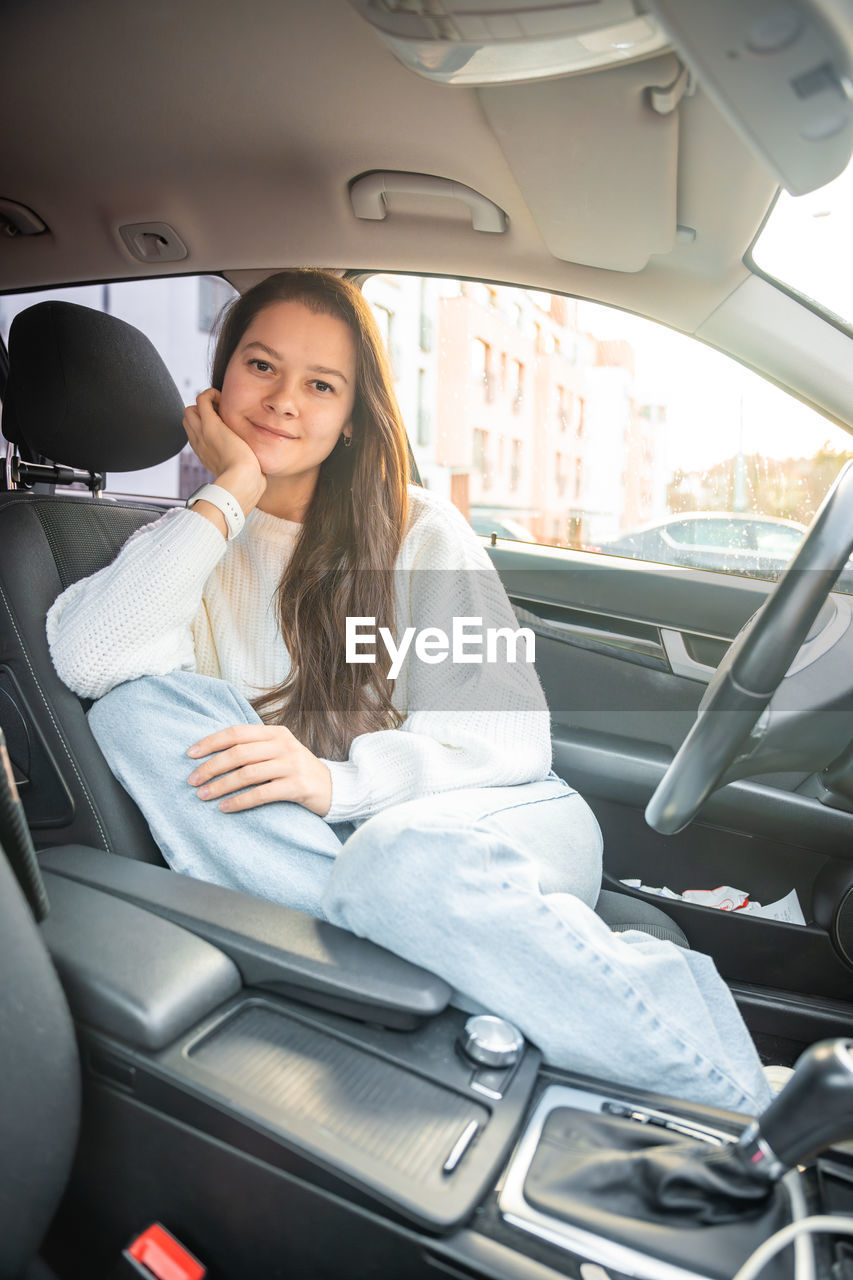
[(128, 972), (274, 947), (797, 1017), (638, 643), (256, 1113), (628, 771)]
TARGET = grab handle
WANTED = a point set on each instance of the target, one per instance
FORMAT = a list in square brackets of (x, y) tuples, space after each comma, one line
[(369, 196)]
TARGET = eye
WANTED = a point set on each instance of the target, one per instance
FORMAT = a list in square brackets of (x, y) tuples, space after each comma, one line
[(322, 386), (262, 366)]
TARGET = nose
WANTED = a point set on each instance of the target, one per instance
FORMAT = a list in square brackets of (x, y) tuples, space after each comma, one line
[(281, 399)]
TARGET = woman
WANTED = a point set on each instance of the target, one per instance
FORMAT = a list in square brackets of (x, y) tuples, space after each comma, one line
[(419, 811)]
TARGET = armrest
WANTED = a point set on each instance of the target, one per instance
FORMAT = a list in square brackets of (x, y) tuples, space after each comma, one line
[(126, 971), (273, 947)]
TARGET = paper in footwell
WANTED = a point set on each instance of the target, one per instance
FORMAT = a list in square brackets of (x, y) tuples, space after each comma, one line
[(726, 898)]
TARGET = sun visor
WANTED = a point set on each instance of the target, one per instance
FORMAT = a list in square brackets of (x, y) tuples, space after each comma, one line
[(595, 161)]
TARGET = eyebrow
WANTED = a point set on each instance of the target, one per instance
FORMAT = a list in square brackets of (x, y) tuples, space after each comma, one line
[(314, 368), (317, 368)]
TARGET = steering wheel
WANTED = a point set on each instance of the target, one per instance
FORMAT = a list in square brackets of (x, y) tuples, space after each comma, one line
[(755, 665)]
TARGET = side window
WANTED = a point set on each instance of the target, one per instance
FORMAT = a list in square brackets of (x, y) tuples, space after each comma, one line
[(178, 315), (575, 425)]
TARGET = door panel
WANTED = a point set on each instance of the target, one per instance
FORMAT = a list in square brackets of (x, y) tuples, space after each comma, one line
[(619, 712)]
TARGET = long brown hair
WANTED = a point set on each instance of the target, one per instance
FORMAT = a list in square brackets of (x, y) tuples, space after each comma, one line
[(343, 562)]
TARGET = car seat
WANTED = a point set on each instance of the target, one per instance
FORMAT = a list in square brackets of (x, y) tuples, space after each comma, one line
[(88, 388), (40, 1098), (91, 390)]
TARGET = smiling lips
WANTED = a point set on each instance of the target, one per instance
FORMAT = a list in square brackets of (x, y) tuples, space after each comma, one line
[(280, 435)]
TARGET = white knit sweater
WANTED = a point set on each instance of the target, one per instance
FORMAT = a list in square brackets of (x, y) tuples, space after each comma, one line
[(179, 597)]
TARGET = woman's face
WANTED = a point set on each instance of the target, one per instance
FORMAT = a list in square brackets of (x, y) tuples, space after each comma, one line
[(288, 391)]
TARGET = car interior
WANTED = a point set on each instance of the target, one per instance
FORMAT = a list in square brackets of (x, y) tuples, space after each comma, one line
[(283, 1098)]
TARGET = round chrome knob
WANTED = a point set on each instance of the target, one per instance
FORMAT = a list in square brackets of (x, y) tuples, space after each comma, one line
[(490, 1041)]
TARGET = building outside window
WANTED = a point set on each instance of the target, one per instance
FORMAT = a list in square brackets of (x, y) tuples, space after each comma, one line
[(516, 383), (560, 474), (564, 408), (424, 410), (515, 466), (479, 451), (481, 366)]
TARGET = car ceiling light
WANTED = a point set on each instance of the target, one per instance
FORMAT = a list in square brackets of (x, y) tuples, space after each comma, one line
[(483, 42), (780, 70)]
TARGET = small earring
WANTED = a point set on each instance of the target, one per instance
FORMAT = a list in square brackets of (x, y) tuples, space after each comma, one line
[(347, 441)]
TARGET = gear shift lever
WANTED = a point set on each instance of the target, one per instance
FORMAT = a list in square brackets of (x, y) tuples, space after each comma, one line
[(588, 1164), (813, 1110)]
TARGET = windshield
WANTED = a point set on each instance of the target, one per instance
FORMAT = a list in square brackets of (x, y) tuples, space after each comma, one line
[(805, 244)]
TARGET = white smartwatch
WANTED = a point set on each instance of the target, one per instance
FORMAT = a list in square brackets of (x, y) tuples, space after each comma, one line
[(224, 502)]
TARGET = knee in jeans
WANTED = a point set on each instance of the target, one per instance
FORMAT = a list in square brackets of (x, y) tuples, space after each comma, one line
[(119, 714), (115, 708), (388, 850)]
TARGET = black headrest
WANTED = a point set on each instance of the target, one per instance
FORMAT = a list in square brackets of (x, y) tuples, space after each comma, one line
[(88, 390)]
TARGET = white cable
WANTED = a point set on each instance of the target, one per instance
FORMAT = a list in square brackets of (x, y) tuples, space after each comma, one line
[(833, 1222)]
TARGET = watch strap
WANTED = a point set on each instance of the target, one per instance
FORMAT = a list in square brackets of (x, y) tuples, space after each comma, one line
[(224, 502)]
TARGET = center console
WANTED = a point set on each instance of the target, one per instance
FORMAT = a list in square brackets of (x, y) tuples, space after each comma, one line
[(292, 1101), (602, 1178)]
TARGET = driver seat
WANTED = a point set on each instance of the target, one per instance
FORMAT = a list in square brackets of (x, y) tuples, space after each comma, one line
[(91, 389)]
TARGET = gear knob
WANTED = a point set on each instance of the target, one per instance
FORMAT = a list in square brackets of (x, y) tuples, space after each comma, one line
[(814, 1110)]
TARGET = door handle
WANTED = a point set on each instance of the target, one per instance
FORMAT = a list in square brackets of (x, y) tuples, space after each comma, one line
[(680, 660)]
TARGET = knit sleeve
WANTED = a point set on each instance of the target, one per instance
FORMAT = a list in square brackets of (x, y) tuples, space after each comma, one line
[(134, 617), (469, 722)]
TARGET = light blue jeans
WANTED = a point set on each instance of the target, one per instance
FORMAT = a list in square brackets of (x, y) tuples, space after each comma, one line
[(491, 888)]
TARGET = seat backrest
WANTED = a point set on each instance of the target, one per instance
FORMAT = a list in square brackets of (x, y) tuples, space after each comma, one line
[(88, 391), (40, 1071)]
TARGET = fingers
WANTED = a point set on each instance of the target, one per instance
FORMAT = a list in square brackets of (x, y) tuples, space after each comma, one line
[(226, 764), (276, 784), (208, 403), (227, 761), (205, 407), (191, 420), (237, 779), (243, 755), (220, 448), (251, 799), (236, 734)]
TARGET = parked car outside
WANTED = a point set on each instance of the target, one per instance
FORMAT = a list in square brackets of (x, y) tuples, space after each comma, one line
[(503, 526), (758, 546)]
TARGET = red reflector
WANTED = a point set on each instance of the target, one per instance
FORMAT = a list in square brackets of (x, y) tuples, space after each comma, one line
[(164, 1256)]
